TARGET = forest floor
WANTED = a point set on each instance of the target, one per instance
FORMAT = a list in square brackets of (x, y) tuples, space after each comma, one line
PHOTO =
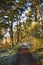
[(13, 56)]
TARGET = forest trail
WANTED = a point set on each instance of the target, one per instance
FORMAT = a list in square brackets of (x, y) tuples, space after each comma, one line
[(25, 57)]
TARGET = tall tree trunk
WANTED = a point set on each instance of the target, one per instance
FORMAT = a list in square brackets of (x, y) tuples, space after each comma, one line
[(17, 33), (11, 26), (11, 33)]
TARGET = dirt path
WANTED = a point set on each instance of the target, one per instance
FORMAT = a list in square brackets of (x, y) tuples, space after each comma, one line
[(25, 58)]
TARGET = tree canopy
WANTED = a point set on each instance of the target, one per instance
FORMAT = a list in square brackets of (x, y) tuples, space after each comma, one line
[(28, 15)]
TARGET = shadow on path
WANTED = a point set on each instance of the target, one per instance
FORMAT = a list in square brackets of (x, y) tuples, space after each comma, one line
[(25, 57)]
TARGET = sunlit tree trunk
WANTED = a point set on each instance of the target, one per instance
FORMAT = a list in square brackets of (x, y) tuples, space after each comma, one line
[(18, 30), (17, 33), (11, 26), (11, 33)]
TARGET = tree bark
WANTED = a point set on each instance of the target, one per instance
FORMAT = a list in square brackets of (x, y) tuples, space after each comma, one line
[(11, 33), (17, 33)]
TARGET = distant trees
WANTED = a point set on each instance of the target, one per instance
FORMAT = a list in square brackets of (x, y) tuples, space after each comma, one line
[(11, 12)]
